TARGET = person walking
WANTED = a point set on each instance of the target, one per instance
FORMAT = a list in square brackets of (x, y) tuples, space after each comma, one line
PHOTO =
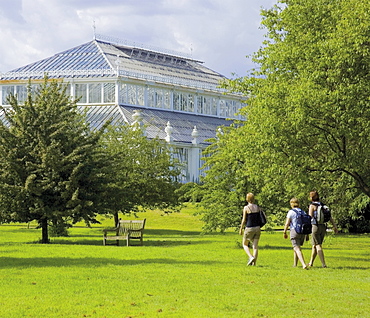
[(318, 230), (252, 231), (296, 238)]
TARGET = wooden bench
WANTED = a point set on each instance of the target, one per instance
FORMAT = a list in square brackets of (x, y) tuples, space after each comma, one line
[(126, 230)]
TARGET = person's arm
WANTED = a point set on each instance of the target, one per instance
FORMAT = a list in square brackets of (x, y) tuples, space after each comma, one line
[(334, 225), (287, 223), (243, 220), (311, 210)]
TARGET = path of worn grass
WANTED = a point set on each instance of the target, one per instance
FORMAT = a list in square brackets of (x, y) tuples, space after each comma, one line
[(177, 273)]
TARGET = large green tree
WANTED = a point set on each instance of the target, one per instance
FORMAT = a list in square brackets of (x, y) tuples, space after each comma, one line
[(308, 114), (52, 167), (145, 172)]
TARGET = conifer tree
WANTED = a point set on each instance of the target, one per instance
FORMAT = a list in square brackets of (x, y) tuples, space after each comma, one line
[(52, 167)]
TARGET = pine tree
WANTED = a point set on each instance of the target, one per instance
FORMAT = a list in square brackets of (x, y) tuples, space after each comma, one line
[(52, 167)]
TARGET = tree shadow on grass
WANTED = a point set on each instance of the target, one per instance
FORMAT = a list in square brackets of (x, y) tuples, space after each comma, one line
[(12, 262), (152, 237), (268, 247)]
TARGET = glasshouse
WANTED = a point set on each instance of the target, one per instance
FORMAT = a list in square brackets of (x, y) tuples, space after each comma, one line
[(170, 95)]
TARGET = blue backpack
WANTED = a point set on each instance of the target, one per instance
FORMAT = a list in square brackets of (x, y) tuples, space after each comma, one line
[(303, 222)]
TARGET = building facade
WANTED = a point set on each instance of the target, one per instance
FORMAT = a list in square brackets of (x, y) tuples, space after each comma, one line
[(171, 96)]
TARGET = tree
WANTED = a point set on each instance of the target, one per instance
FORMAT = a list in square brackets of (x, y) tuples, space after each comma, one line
[(145, 173), (52, 167), (308, 110)]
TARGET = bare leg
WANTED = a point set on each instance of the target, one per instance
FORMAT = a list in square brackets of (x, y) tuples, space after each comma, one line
[(313, 255), (320, 252), (246, 248), (299, 254), (295, 259), (255, 250)]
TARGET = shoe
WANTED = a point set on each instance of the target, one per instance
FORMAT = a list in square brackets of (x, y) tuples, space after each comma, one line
[(306, 267), (251, 261), (309, 265)]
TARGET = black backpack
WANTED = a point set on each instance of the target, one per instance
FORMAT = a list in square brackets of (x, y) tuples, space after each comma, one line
[(323, 214), (303, 222)]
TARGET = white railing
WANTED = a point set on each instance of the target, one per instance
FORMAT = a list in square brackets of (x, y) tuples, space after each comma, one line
[(110, 72), (57, 73)]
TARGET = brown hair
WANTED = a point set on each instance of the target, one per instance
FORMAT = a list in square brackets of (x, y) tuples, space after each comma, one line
[(250, 197), (314, 196)]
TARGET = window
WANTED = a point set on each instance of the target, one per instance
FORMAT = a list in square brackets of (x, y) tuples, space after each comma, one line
[(21, 91), (109, 92), (95, 93), (6, 91), (81, 93), (182, 155), (183, 102)]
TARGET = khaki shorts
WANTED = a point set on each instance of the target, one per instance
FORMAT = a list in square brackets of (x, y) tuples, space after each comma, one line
[(318, 234), (252, 233), (297, 239)]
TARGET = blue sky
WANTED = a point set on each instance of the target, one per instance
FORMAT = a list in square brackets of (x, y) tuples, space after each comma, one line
[(219, 32)]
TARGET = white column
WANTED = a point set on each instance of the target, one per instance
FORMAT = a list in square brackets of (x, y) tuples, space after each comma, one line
[(194, 157)]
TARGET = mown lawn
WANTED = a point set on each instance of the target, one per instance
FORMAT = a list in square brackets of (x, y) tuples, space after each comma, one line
[(177, 273)]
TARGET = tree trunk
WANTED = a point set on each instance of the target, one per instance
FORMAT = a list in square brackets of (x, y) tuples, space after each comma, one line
[(44, 228), (116, 219)]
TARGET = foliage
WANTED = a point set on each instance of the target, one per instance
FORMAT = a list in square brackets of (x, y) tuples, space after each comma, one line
[(51, 164), (145, 173), (188, 192), (308, 116)]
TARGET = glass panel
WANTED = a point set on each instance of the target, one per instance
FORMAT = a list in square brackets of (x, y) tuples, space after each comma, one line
[(109, 92), (182, 155), (152, 97), (81, 92), (214, 106), (68, 88), (123, 94), (140, 95), (34, 90), (176, 100), (200, 109), (228, 108), (222, 107), (190, 103), (159, 98), (94, 93), (7, 90), (167, 99), (131, 94), (21, 91), (183, 102)]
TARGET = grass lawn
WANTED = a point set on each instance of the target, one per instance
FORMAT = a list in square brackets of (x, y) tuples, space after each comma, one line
[(177, 273)]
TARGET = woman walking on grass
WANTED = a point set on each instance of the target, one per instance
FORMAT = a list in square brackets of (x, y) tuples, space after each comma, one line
[(296, 238), (252, 232), (318, 230)]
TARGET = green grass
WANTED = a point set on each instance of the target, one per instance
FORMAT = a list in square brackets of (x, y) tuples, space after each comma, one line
[(177, 273)]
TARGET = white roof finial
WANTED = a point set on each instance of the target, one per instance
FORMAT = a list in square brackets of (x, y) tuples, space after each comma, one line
[(169, 130), (195, 135)]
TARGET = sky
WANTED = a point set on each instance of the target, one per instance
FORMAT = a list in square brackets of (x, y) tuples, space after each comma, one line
[(221, 33)]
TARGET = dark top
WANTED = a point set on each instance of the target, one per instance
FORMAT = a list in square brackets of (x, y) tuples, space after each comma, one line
[(253, 219)]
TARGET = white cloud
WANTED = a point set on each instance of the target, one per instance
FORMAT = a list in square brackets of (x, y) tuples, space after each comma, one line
[(219, 32)]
